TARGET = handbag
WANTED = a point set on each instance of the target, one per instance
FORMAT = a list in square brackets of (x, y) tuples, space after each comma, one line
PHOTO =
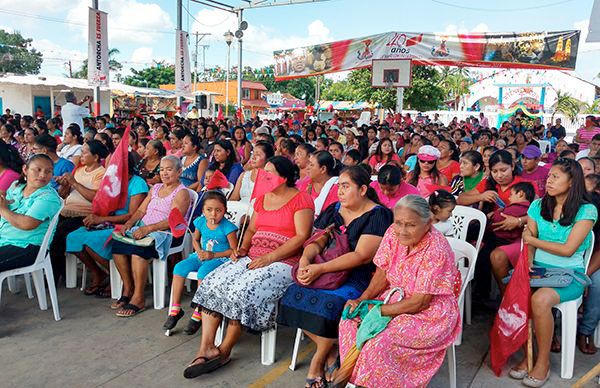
[(542, 277), (336, 246), (128, 238)]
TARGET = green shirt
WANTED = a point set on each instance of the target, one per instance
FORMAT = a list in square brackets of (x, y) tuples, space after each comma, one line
[(42, 205), (556, 233)]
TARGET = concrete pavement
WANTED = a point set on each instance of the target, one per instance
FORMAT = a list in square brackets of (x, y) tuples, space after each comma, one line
[(92, 347)]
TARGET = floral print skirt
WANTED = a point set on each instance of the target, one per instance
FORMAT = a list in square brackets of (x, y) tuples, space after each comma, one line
[(246, 295)]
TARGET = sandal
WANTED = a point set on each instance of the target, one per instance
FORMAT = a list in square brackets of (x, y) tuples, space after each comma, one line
[(195, 370), (122, 301), (585, 344), (103, 292), (135, 310), (93, 289), (317, 382), (330, 370)]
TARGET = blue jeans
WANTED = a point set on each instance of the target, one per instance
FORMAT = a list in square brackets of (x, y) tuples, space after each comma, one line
[(591, 307)]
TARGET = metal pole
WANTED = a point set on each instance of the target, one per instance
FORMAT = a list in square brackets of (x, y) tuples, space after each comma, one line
[(227, 80), (195, 64), (179, 27), (96, 88), (399, 100), (239, 77)]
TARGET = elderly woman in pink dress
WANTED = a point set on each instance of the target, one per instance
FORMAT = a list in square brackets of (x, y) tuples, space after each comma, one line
[(417, 258)]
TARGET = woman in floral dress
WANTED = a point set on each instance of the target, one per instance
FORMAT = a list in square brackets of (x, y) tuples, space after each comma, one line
[(417, 258)]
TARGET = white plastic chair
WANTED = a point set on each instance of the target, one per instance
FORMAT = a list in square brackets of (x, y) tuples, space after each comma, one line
[(462, 250), (462, 217), (597, 336), (268, 342), (544, 146), (41, 266), (568, 311)]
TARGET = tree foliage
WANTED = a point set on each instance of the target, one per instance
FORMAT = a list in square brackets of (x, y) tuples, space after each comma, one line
[(455, 83), (152, 77), (16, 54), (113, 65), (567, 105)]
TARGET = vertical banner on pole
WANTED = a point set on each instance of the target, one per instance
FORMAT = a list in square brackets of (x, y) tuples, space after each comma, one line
[(97, 48), (183, 74)]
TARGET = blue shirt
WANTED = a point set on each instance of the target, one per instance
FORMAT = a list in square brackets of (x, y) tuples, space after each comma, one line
[(137, 185), (42, 205), (61, 166), (214, 240)]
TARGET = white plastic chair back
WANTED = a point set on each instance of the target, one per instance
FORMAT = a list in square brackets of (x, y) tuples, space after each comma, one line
[(228, 190), (236, 210), (544, 146), (465, 256), (462, 216), (48, 236)]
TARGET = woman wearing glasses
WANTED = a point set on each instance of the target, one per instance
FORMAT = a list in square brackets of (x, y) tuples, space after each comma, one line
[(426, 177)]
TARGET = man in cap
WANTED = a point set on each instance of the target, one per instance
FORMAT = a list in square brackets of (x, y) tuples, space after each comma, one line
[(466, 144), (336, 134), (532, 171)]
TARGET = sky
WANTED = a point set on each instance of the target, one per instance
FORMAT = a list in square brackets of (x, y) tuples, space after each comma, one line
[(143, 30)]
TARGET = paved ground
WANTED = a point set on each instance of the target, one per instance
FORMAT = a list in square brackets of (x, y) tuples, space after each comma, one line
[(91, 347)]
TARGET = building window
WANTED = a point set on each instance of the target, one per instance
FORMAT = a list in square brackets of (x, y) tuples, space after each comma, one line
[(245, 93)]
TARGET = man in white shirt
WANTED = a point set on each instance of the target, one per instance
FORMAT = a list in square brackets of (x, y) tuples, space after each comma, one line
[(72, 112), (193, 114), (483, 121)]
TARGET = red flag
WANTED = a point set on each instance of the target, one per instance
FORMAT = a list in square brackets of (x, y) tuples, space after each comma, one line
[(240, 114), (220, 115), (217, 181), (112, 193), (177, 223), (510, 328), (265, 182)]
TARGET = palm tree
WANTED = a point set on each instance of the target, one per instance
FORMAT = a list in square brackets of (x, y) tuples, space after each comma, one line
[(593, 108), (113, 64), (566, 105)]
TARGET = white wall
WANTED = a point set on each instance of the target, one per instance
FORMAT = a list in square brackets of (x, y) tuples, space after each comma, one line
[(17, 98)]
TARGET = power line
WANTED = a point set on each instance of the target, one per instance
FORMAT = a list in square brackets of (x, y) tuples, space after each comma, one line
[(204, 24), (501, 9)]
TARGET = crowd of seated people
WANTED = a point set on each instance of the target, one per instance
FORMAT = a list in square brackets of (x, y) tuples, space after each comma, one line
[(388, 187)]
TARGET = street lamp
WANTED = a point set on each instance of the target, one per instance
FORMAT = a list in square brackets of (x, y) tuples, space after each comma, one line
[(228, 39)]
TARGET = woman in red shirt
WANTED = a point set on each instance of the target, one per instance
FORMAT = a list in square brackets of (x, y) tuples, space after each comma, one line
[(448, 161)]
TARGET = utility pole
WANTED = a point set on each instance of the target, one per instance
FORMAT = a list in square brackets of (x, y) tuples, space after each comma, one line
[(96, 88), (70, 69), (199, 37), (239, 75), (180, 27)]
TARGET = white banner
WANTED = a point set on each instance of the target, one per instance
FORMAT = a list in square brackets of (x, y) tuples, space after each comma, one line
[(97, 48), (183, 74)]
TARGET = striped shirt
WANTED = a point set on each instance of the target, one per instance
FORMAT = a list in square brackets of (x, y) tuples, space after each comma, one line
[(586, 136)]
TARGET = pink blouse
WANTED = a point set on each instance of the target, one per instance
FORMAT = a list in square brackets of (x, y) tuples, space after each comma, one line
[(7, 177)]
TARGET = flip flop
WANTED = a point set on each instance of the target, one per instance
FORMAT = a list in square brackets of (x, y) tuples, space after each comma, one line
[(103, 292), (93, 290), (317, 382), (122, 301), (330, 369), (129, 307), (209, 365)]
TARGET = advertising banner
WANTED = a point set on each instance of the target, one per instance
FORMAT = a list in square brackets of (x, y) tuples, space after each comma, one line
[(97, 48), (534, 50), (183, 74)]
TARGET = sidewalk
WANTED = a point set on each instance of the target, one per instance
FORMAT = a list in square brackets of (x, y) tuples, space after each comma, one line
[(90, 346)]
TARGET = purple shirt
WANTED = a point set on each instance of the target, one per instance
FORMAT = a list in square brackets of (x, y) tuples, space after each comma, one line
[(389, 202), (539, 176)]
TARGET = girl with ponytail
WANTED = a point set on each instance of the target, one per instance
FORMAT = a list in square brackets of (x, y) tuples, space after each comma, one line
[(359, 216)]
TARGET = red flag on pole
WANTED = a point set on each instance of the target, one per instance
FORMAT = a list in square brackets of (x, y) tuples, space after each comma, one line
[(240, 114), (217, 181), (510, 328), (220, 115), (265, 182), (112, 193)]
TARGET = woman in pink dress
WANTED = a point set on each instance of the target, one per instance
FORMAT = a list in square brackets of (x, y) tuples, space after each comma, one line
[(417, 258), (426, 177)]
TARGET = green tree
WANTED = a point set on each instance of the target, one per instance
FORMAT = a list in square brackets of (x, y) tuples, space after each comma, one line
[(16, 54), (425, 93), (338, 91), (113, 65), (455, 82), (152, 77), (591, 109), (567, 105)]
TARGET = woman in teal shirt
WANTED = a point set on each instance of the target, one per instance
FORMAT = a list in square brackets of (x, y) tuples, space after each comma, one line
[(558, 233), (25, 213)]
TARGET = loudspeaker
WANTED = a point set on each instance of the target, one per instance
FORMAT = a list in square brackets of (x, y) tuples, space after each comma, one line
[(201, 102)]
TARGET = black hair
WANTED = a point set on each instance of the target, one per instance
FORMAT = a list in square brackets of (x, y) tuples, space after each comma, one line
[(336, 144), (10, 128), (266, 147), (289, 145), (180, 133), (97, 148), (310, 131), (595, 179), (454, 151), (475, 158), (367, 168), (363, 146), (214, 194), (158, 146), (390, 174), (566, 153), (307, 147), (525, 188), (41, 124), (379, 152), (47, 141), (441, 199), (354, 155), (22, 180), (576, 196), (10, 158), (231, 158), (107, 141), (324, 141), (596, 137), (324, 158), (131, 167), (589, 160), (286, 169), (195, 140), (244, 139), (359, 176), (76, 132), (500, 156), (416, 173)]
